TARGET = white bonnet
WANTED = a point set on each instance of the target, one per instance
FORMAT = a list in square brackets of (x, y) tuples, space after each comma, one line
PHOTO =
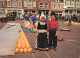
[(42, 14)]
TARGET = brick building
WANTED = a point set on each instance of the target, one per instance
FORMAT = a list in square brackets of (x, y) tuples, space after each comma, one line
[(21, 6), (14, 6), (30, 6), (2, 6), (72, 6), (61, 7), (58, 7), (44, 6)]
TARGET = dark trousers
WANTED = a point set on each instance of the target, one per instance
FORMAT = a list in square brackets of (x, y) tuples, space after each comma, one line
[(69, 23), (52, 38)]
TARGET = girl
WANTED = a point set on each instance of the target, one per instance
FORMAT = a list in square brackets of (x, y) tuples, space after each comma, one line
[(42, 41)]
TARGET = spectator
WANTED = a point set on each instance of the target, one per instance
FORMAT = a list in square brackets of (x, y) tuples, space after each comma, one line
[(33, 20)]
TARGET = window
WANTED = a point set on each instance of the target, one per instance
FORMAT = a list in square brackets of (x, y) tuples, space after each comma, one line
[(29, 5), (43, 0), (74, 11), (29, 0), (60, 12), (77, 0), (54, 7), (8, 0), (67, 0), (56, 0), (72, 3), (33, 11), (2, 11), (46, 5), (56, 12), (19, 4), (62, 1), (34, 1), (66, 10), (77, 4), (34, 5), (41, 5), (14, 3), (59, 6), (78, 11), (2, 3), (9, 4), (72, 0), (25, 3), (13, 0), (67, 4)]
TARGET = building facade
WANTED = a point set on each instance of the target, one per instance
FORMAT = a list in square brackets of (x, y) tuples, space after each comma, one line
[(14, 6), (2, 6), (61, 7), (44, 6), (58, 7), (30, 6), (21, 6), (72, 6)]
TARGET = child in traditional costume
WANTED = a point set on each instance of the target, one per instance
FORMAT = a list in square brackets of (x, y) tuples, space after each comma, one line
[(42, 42)]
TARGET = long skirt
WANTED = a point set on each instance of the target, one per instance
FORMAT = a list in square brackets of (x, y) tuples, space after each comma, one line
[(42, 40)]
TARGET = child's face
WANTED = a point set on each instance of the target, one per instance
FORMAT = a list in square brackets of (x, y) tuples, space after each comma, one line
[(52, 17), (43, 19)]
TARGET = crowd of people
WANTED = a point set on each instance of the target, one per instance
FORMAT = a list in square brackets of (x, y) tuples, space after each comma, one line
[(74, 18)]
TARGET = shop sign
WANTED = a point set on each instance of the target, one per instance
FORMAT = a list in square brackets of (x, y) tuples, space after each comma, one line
[(8, 0), (29, 7)]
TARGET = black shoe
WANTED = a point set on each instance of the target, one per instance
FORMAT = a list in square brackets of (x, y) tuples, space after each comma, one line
[(49, 47), (46, 49), (41, 49), (54, 49), (36, 49), (33, 51)]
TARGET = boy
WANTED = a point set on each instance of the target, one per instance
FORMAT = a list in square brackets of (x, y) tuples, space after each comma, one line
[(52, 31)]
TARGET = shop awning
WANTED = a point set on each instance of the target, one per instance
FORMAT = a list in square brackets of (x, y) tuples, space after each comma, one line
[(72, 8), (56, 10), (29, 9)]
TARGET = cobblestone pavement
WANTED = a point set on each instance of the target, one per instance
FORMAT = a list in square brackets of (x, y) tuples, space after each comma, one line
[(68, 48)]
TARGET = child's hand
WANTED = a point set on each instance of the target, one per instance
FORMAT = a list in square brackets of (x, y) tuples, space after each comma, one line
[(56, 34), (47, 33), (34, 26), (37, 34)]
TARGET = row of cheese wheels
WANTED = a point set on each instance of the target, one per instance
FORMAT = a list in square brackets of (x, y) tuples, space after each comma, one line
[(23, 44), (77, 24), (29, 27)]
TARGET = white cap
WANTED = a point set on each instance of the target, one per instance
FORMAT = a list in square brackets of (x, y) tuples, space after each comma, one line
[(42, 14)]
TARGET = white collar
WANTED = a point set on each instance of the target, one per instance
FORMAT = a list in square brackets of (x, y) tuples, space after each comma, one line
[(42, 23)]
